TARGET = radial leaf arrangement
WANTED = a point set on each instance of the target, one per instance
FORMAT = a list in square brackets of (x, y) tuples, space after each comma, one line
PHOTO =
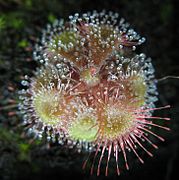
[(92, 91)]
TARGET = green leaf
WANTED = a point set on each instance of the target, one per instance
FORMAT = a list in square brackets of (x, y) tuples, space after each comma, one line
[(23, 43), (51, 18)]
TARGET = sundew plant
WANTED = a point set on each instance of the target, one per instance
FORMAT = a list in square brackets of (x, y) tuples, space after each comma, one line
[(92, 91)]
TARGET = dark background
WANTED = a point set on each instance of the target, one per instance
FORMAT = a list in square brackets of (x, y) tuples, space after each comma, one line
[(21, 22)]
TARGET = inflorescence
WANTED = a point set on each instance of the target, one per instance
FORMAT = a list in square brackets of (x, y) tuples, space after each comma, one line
[(92, 90)]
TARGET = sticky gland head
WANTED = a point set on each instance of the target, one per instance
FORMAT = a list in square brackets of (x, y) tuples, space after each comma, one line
[(102, 40), (67, 38), (94, 35), (84, 128), (50, 100), (115, 121), (135, 90), (74, 45), (64, 42), (48, 106), (90, 76), (82, 124), (69, 45)]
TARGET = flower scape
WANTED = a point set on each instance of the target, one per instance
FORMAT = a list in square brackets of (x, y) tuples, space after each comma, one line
[(92, 91)]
